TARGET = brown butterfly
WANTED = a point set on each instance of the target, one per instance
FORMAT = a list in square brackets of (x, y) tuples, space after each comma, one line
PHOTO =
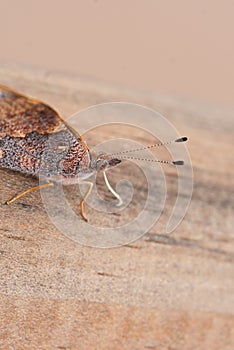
[(35, 140)]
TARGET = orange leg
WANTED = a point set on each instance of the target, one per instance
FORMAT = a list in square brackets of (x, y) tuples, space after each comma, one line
[(10, 201), (84, 199), (27, 191)]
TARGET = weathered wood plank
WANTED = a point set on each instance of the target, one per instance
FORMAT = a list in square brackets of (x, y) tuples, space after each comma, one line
[(160, 292)]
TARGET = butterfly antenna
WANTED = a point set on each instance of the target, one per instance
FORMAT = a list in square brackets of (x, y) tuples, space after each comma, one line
[(175, 162), (181, 139)]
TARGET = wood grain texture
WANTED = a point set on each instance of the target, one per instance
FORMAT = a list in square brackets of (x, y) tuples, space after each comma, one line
[(160, 292)]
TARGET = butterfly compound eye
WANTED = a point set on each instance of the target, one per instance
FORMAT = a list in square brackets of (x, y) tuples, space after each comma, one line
[(113, 162)]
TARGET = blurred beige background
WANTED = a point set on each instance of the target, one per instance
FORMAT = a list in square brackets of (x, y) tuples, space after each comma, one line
[(181, 48), (161, 291)]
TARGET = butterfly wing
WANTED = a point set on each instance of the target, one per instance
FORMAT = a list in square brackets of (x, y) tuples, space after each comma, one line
[(25, 127), (21, 115)]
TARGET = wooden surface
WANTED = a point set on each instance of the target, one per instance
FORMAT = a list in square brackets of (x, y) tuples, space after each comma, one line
[(160, 292)]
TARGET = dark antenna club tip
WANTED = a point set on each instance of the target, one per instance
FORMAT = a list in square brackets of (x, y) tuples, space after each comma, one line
[(182, 139), (178, 162)]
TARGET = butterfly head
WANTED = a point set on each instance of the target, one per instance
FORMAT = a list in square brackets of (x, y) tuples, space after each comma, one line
[(104, 161)]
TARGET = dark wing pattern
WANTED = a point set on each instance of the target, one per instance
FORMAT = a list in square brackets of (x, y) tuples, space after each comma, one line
[(21, 115), (33, 138)]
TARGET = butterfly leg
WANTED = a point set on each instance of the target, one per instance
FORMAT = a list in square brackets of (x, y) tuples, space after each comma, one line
[(115, 194), (28, 191), (84, 199)]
